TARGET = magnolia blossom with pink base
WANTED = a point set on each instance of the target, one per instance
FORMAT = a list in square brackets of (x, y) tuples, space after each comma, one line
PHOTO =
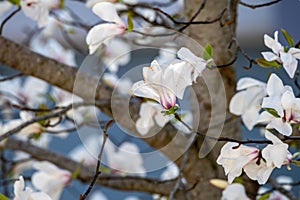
[(102, 33)]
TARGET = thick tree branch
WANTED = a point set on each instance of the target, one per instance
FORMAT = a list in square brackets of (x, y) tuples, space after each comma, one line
[(86, 173), (29, 63)]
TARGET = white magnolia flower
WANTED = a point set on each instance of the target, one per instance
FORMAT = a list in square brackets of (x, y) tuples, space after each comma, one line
[(234, 159), (38, 10), (247, 102), (234, 191), (287, 59), (195, 65), (52, 49), (162, 84), (50, 179), (274, 155), (103, 32), (25, 193), (122, 85), (125, 159), (115, 54), (283, 101)]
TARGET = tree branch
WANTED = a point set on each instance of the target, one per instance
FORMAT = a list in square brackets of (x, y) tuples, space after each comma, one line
[(127, 183)]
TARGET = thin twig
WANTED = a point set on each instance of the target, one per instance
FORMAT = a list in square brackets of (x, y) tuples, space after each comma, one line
[(11, 77), (259, 5), (59, 113), (8, 18), (227, 139), (98, 171)]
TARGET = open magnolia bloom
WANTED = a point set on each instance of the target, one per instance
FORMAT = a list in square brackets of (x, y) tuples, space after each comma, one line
[(50, 179), (103, 32), (282, 107), (234, 158), (25, 193), (162, 84), (274, 155), (247, 102), (287, 59), (38, 10), (235, 191)]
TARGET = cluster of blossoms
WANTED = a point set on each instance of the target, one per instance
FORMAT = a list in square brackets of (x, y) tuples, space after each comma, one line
[(281, 109), (164, 84), (257, 164), (48, 179)]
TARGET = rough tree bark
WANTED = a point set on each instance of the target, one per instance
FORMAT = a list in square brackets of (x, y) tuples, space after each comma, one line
[(219, 37)]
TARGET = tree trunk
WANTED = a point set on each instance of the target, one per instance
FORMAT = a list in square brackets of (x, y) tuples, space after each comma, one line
[(211, 98)]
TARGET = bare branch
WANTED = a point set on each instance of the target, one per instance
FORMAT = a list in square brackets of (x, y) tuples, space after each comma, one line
[(127, 183), (259, 5), (98, 171), (8, 18)]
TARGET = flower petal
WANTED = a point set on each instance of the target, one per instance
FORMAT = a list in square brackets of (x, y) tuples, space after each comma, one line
[(282, 127), (290, 63), (236, 105), (142, 89), (274, 85), (269, 56), (248, 82), (107, 12), (102, 33)]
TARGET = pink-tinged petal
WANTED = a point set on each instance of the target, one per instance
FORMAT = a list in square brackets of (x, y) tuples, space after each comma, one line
[(274, 85), (236, 105), (295, 52), (107, 12), (273, 43), (102, 33), (142, 89), (269, 56), (290, 63), (273, 103), (167, 97), (288, 102), (248, 82), (234, 159), (282, 127)]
